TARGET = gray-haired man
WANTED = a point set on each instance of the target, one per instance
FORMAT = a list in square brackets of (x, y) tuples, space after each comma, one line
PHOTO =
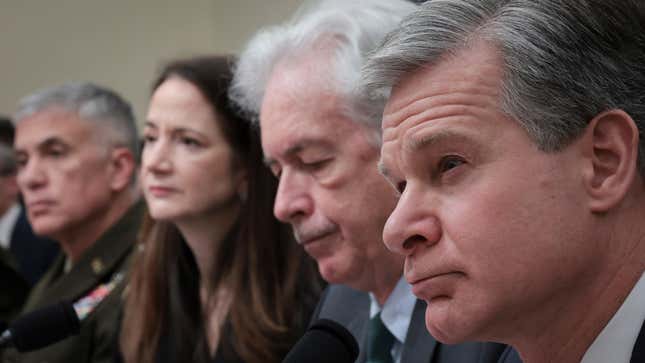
[(513, 137), (76, 147), (317, 138)]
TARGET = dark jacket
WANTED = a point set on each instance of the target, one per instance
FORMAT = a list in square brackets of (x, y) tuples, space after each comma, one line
[(13, 288), (351, 308), (107, 258)]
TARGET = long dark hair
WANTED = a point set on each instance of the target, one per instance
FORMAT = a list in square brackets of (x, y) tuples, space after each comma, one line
[(274, 284)]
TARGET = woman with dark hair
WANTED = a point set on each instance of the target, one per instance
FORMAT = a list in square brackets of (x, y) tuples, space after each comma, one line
[(217, 278)]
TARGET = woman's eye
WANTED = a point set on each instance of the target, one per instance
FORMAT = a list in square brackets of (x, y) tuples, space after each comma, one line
[(148, 139), (449, 162), (188, 141)]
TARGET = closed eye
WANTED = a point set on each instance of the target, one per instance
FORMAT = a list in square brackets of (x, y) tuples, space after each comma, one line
[(315, 165)]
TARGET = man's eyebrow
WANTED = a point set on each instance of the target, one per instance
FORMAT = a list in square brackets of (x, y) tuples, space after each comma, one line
[(52, 141), (298, 148), (288, 153), (420, 141)]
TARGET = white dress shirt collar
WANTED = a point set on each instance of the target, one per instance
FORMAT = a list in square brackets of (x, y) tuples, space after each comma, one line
[(7, 224), (616, 341), (396, 314)]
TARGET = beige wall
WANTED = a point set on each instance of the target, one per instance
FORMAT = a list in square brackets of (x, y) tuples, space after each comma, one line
[(117, 43)]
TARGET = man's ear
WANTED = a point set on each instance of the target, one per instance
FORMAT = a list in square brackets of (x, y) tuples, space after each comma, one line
[(611, 147), (123, 167)]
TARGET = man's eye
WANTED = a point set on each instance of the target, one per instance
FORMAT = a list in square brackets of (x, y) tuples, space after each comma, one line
[(400, 187), (316, 165), (56, 152), (276, 171), (450, 162), (21, 161)]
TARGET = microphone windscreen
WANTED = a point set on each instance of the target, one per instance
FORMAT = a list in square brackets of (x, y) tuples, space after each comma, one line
[(324, 342), (45, 326)]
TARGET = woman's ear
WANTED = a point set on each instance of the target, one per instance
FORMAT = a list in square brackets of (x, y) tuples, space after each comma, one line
[(611, 142)]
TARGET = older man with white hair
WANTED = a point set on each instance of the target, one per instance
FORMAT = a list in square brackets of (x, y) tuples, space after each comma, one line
[(300, 80)]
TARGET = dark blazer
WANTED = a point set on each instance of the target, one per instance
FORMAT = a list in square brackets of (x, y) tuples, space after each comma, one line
[(351, 308), (13, 288), (106, 258), (33, 254)]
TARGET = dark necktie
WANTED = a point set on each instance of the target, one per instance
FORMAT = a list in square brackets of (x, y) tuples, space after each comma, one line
[(379, 341), (638, 354)]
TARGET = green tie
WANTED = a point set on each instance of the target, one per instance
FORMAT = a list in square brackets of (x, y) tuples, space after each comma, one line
[(379, 341)]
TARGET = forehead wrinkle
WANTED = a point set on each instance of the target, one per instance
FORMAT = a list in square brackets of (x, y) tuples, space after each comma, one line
[(462, 93), (422, 136)]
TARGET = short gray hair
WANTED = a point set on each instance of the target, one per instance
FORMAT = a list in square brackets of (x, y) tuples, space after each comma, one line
[(91, 103), (565, 61), (356, 27)]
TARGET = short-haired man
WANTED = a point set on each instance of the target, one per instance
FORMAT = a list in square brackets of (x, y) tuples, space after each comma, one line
[(300, 80), (32, 255), (76, 147), (13, 286), (513, 136)]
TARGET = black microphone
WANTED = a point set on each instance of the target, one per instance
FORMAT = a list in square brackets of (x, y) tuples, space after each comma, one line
[(41, 327), (325, 341)]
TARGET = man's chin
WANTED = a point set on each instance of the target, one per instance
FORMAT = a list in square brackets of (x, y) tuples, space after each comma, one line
[(45, 228), (443, 327), (330, 272)]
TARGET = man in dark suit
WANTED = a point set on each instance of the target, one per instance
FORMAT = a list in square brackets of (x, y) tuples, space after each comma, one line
[(14, 288), (32, 254), (514, 136), (317, 138), (76, 147)]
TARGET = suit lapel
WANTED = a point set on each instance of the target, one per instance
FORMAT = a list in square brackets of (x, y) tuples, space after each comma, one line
[(358, 325), (638, 354), (419, 344)]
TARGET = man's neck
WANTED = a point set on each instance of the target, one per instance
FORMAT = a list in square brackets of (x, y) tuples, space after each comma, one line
[(76, 240), (573, 326)]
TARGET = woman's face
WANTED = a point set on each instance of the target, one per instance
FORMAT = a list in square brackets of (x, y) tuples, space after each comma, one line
[(187, 169)]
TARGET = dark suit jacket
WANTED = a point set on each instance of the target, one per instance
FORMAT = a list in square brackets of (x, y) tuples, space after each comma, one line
[(33, 254), (351, 308), (108, 256), (13, 288)]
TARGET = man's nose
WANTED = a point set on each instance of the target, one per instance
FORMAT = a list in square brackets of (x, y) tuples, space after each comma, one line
[(412, 225), (293, 200), (31, 175)]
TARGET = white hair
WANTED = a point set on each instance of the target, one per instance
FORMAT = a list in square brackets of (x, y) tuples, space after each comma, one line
[(356, 28)]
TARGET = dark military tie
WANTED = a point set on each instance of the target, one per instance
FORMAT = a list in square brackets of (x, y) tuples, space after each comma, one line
[(379, 342)]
